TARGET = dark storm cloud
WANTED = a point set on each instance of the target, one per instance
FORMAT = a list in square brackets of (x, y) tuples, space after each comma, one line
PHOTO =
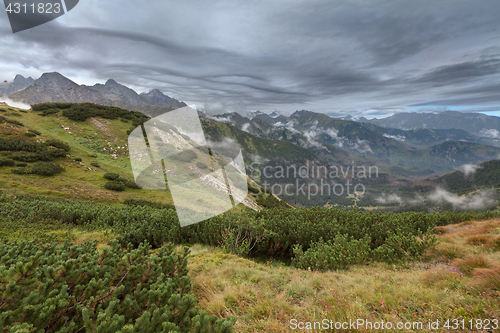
[(473, 100), (461, 72), (371, 56), (488, 89)]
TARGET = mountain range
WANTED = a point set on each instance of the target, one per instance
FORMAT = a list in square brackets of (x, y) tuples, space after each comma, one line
[(54, 87), (338, 140), (409, 143), (19, 83), (475, 123)]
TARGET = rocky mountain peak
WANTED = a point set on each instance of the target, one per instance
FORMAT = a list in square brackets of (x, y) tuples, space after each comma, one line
[(54, 87), (19, 83), (112, 82)]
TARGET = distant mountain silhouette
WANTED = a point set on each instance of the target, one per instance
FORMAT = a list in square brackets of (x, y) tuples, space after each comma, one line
[(54, 87), (19, 83), (476, 123)]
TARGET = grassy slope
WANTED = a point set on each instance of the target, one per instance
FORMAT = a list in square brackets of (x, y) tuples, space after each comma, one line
[(80, 180), (266, 296)]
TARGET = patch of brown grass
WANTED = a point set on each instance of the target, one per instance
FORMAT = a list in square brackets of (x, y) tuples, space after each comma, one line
[(479, 239), (487, 278), (494, 243), (468, 264), (445, 252), (441, 277)]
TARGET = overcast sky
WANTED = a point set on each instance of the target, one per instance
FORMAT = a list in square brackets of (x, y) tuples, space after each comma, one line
[(370, 58)]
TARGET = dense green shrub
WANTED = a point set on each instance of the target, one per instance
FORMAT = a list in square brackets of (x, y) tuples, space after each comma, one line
[(129, 183), (34, 131), (22, 164), (147, 203), (21, 171), (253, 189), (78, 113), (95, 164), (49, 112), (40, 168), (115, 185), (6, 162), (20, 145), (31, 152), (48, 106), (55, 153), (339, 253), (27, 156), (70, 288), (241, 234), (46, 169), (29, 134), (400, 246), (83, 111), (58, 144), (14, 122), (78, 159), (111, 176), (390, 236), (116, 180)]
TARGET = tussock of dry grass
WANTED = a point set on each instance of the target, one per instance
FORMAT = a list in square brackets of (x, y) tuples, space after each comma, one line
[(467, 265), (456, 280), (487, 278), (479, 239)]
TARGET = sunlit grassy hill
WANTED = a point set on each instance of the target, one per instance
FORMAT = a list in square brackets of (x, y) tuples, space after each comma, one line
[(98, 146)]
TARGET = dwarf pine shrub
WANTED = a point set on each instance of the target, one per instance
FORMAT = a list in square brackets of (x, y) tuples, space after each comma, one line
[(58, 144), (39, 168), (34, 131), (339, 253), (46, 169), (115, 185), (75, 288), (111, 176), (14, 122), (6, 162), (129, 183)]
